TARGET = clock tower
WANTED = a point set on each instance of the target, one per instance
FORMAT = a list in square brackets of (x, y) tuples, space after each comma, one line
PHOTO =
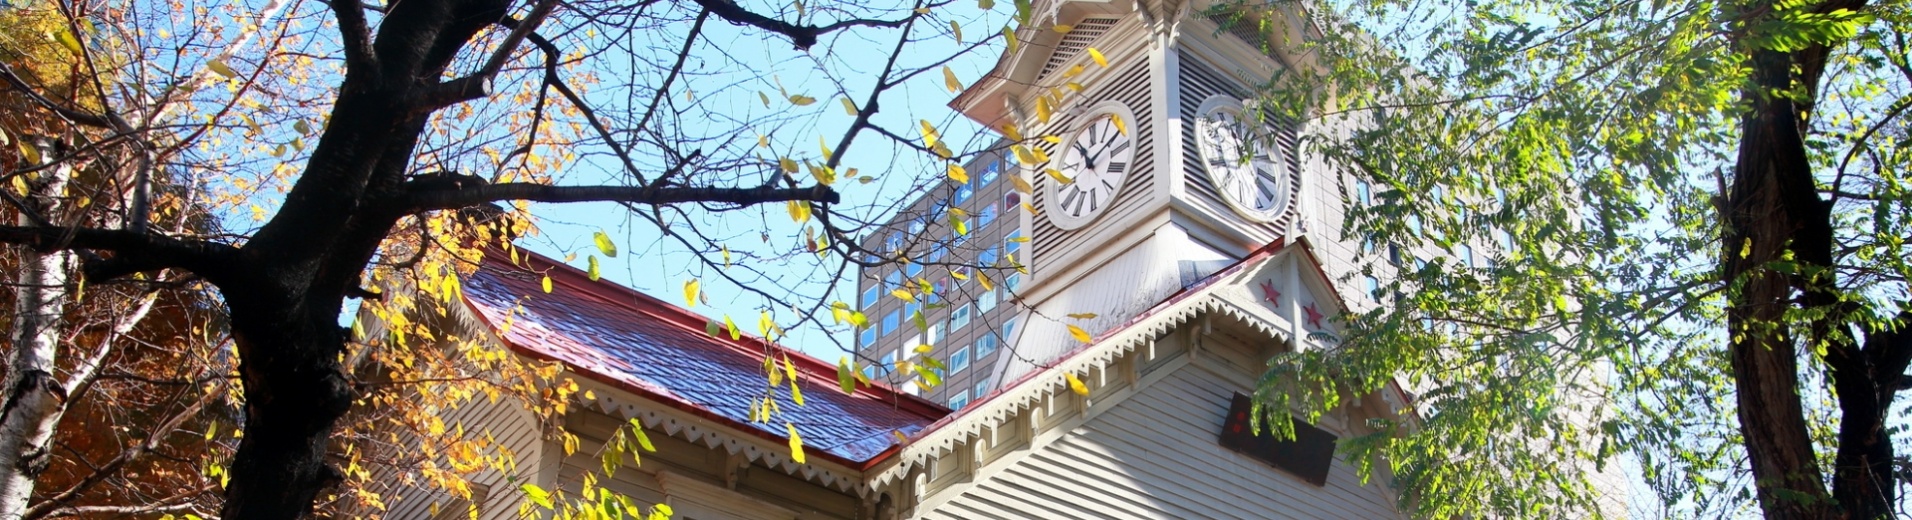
[(1151, 162)]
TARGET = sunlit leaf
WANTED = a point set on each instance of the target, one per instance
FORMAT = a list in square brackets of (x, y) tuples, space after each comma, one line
[(1075, 384), (1097, 56), (796, 444), (604, 244), (690, 293), (1080, 335), (950, 81)]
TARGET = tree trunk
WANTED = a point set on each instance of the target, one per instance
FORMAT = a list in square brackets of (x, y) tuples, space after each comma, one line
[(295, 393), (1772, 196), (35, 400)]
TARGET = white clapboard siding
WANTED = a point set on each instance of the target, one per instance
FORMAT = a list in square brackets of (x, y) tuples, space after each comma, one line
[(1156, 455), (758, 488), (514, 428)]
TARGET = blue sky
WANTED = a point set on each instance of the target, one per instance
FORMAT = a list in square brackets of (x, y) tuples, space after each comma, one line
[(658, 266)]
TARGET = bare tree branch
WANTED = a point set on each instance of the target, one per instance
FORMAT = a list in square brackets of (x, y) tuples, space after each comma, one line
[(435, 199)]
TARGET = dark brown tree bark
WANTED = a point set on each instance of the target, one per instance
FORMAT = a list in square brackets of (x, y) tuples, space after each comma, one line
[(1773, 212)]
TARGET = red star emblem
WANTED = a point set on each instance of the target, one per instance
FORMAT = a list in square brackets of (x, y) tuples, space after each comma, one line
[(1314, 316), (1269, 293)]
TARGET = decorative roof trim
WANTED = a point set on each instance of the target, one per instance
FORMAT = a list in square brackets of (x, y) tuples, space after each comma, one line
[(1012, 399), (659, 416)]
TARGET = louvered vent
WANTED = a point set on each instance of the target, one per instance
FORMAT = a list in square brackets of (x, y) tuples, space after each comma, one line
[(1242, 26), (1073, 43)]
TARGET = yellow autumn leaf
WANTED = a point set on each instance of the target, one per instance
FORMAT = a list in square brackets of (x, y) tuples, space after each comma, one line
[(1022, 185), (690, 293), (732, 326), (1119, 125), (799, 212), (787, 164), (1009, 37), (958, 29), (763, 141), (1073, 71), (1052, 139), (1041, 156), (1023, 154), (1043, 110), (1075, 384), (1063, 29), (823, 146), (1083, 315), (1009, 130), (796, 444), (1059, 177), (930, 136), (904, 295), (849, 107), (1080, 335), (547, 284), (802, 100), (958, 174), (949, 80), (1097, 56)]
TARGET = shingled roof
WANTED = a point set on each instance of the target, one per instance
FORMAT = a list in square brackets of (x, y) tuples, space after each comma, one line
[(662, 352)]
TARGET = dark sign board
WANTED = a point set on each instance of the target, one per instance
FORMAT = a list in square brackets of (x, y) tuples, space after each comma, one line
[(1307, 456)]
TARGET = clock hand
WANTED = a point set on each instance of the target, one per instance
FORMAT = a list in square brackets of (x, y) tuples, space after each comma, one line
[(1085, 155)]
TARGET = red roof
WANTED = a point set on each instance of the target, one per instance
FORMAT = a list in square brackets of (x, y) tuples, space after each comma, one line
[(662, 352)]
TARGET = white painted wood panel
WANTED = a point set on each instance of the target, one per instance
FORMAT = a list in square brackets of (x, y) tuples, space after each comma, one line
[(1156, 455)]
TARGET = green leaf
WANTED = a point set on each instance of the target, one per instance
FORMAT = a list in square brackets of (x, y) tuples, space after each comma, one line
[(591, 269), (846, 375), (537, 495)]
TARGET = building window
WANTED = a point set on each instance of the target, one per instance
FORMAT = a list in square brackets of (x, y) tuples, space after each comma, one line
[(894, 280), (986, 258), (936, 253), (889, 363), (989, 173), (1012, 242), (869, 297), (910, 310), (1374, 288), (987, 214), (892, 321), (935, 333), (1467, 255), (1012, 282), (1008, 329), (1363, 193), (982, 388), (866, 338), (958, 401), (962, 193), (958, 318), (912, 269), (986, 301), (1011, 200), (985, 346), (958, 361)]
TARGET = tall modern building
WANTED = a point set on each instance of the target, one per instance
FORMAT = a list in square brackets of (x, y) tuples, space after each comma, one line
[(970, 311)]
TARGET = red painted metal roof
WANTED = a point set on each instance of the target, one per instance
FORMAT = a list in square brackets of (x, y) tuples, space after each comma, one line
[(663, 352)]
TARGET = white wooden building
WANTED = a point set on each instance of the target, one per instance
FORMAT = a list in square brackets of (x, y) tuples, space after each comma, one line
[(1199, 239)]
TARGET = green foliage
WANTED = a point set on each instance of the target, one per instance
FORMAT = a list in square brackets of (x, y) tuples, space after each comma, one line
[(1577, 150)]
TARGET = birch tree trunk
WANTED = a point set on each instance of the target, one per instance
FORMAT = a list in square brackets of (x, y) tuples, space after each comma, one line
[(34, 399)]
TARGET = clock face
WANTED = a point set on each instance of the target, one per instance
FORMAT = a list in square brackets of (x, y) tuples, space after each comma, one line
[(1243, 163), (1097, 159)]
